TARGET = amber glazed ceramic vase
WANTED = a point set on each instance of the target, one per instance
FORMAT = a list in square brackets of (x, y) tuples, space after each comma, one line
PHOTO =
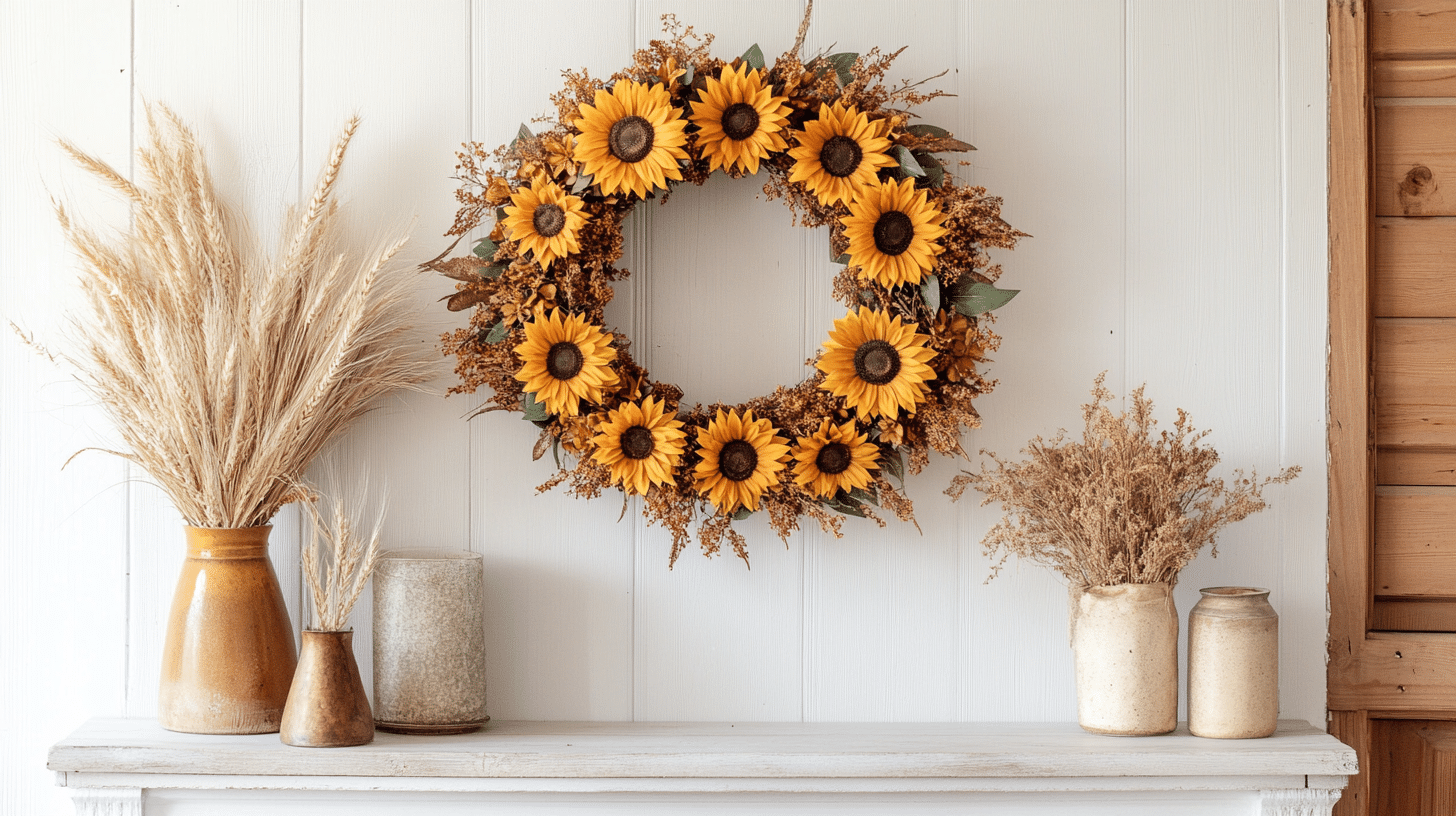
[(327, 706), (229, 657)]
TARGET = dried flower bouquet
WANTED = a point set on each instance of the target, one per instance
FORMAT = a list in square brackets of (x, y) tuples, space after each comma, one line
[(1126, 504)]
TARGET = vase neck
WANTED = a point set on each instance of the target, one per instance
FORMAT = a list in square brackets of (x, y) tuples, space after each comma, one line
[(228, 543)]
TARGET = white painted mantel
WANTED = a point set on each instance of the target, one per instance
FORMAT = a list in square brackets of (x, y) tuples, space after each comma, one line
[(125, 767)]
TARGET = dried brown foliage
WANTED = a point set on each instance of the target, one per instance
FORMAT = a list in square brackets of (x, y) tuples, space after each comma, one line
[(226, 371), (1125, 504)]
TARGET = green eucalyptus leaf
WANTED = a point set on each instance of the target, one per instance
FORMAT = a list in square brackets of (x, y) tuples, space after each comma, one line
[(979, 298), (524, 133), (583, 181), (843, 66), (928, 131), (908, 164), (934, 170), (485, 248), (930, 290), (864, 496), (493, 271), (848, 507), (687, 79), (497, 332), (754, 57), (532, 410), (743, 512), (841, 259), (892, 461)]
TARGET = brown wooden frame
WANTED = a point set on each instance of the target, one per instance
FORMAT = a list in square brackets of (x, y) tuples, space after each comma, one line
[(1371, 675)]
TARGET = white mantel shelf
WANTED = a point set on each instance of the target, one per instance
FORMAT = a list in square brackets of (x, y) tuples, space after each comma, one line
[(115, 765)]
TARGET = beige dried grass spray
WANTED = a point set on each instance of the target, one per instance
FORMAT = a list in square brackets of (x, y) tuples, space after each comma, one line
[(1126, 504), (226, 371)]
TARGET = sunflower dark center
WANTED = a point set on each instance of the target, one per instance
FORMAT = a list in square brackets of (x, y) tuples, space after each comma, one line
[(833, 458), (548, 219), (564, 361), (740, 121), (893, 232), (637, 442), (876, 362), (840, 156), (738, 460), (630, 139)]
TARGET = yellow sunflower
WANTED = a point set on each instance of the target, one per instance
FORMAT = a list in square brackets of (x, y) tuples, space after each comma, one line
[(742, 458), (876, 363), (834, 458), (565, 360), (642, 444), (739, 120), (892, 230), (545, 220), (838, 153), (631, 138)]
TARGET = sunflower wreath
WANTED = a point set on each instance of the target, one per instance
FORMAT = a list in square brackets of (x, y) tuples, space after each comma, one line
[(899, 371)]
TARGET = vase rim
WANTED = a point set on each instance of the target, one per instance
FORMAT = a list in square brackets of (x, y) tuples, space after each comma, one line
[(1233, 592), (430, 554)]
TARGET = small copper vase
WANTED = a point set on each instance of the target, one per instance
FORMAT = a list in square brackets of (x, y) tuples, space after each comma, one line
[(327, 707), (228, 657)]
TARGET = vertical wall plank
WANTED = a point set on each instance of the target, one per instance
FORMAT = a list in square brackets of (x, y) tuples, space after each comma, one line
[(65, 71), (1303, 506), (415, 113), (231, 70), (881, 604), (1042, 99), (723, 275), (1205, 294), (558, 569)]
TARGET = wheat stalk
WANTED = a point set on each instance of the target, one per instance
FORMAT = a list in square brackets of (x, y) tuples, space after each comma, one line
[(338, 559), (225, 371)]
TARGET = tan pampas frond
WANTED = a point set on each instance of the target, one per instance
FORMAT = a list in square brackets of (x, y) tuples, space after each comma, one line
[(226, 371), (1127, 504), (337, 571)]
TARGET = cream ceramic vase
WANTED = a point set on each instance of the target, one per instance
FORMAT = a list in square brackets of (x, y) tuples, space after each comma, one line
[(1125, 639), (429, 642), (1233, 664)]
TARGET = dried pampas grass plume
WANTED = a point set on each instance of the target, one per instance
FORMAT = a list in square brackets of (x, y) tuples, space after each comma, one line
[(225, 371)]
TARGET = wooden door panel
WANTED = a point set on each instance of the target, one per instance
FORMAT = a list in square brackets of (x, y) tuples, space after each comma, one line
[(1415, 78), (1414, 273), (1415, 767), (1406, 29), (1415, 382), (1415, 542), (1415, 160), (1416, 466)]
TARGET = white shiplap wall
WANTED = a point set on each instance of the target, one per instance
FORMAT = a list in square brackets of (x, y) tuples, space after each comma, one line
[(1168, 158)]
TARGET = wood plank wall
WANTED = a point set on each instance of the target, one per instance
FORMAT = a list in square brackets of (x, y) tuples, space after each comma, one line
[(1168, 158), (1413, 51)]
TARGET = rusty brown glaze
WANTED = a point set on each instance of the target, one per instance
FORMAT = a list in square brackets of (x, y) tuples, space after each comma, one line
[(327, 706)]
